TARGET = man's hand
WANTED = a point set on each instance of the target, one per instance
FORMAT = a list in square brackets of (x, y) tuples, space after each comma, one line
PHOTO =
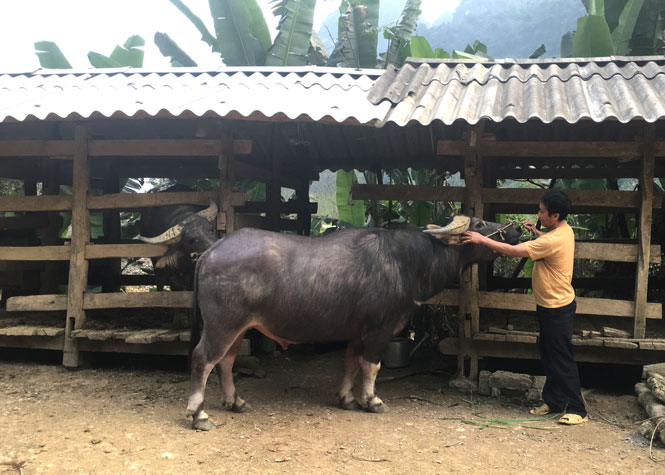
[(472, 237), (531, 227)]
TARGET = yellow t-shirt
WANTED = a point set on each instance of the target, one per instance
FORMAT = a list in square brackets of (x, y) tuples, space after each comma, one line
[(553, 253)]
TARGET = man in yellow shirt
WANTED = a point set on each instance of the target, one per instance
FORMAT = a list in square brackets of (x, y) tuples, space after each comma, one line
[(553, 254)]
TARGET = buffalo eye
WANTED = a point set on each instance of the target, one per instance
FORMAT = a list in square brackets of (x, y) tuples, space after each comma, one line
[(480, 225)]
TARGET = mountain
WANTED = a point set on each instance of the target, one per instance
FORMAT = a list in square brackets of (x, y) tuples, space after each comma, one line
[(509, 28)]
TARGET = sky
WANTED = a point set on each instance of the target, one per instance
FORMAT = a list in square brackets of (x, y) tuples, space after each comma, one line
[(79, 26)]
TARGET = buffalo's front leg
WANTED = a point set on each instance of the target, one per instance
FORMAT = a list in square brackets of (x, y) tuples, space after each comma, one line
[(201, 367), (351, 367), (369, 397), (230, 396)]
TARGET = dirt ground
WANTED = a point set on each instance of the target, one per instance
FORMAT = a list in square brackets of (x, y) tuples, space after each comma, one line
[(119, 418)]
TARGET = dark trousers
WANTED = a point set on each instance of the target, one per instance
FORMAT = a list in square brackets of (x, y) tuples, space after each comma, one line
[(562, 388)]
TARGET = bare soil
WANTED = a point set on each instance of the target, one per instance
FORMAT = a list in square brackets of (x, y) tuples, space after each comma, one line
[(122, 419)]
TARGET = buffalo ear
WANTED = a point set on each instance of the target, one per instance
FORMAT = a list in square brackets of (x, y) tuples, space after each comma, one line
[(170, 259), (449, 239)]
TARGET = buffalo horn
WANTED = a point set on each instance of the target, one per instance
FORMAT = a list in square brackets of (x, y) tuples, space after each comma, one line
[(458, 225), (210, 213), (169, 236)]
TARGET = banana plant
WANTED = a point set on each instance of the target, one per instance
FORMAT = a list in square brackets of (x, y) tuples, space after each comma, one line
[(400, 35), (617, 27), (358, 35), (130, 54), (242, 37)]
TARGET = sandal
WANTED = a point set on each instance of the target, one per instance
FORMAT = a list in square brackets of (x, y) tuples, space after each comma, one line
[(573, 419), (541, 410)]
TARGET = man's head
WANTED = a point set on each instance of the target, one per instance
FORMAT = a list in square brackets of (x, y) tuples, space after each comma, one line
[(554, 206)]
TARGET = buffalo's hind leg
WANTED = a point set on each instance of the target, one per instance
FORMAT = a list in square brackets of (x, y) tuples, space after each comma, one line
[(230, 396), (205, 356), (370, 362), (351, 367)]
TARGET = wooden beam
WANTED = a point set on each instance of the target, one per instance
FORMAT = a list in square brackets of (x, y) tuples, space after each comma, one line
[(526, 302), (601, 251), (43, 303), (147, 200), (106, 251), (35, 253), (121, 148), (78, 266), (625, 150), (36, 203), (226, 217), (595, 198), (644, 232)]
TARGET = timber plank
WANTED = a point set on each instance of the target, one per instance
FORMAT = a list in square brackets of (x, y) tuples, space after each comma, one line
[(36, 148), (148, 200), (165, 147), (612, 343), (587, 342), (103, 251), (521, 338), (613, 252), (181, 299), (36, 203), (37, 303), (145, 336), (35, 253), (626, 150)]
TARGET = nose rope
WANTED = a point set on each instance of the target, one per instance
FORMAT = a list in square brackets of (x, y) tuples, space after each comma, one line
[(500, 230)]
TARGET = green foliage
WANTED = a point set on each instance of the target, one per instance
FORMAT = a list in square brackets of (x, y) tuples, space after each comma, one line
[(50, 56), (592, 38), (352, 213), (420, 48), (242, 33), (356, 37), (170, 49), (292, 44), (399, 36), (130, 54)]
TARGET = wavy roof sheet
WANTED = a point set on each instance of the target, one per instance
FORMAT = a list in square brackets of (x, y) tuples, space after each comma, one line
[(616, 88), (332, 94)]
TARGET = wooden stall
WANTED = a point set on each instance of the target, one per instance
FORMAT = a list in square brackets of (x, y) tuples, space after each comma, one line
[(493, 123)]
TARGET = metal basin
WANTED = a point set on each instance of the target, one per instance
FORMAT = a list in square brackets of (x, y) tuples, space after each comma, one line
[(397, 353)]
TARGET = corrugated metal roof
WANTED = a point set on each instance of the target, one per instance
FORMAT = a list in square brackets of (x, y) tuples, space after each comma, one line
[(316, 93), (615, 88)]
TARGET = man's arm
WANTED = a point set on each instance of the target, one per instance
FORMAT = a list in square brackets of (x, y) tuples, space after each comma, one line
[(518, 250)]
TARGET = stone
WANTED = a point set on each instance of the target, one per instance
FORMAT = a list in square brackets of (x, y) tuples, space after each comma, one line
[(534, 395), (484, 383), (495, 392), (463, 384), (539, 382), (508, 380)]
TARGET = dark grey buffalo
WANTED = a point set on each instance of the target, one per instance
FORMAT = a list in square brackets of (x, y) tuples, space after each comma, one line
[(357, 285), (188, 230)]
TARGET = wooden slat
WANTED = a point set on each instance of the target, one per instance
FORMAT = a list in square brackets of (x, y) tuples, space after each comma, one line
[(613, 252), (119, 148), (36, 148), (138, 300), (37, 221), (35, 253), (165, 147), (34, 303), (580, 198), (36, 203), (147, 200), (626, 150), (104, 251), (526, 302)]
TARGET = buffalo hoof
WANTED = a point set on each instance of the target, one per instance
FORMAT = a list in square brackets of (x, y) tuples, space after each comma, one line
[(242, 407), (379, 408), (352, 405), (203, 424)]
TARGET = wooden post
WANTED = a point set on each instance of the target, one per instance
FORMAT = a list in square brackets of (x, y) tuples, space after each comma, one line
[(48, 281), (468, 305), (78, 265), (644, 233), (274, 192), (225, 218), (112, 234), (304, 216)]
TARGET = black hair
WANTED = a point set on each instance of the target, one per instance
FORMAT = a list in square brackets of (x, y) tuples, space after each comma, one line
[(556, 201)]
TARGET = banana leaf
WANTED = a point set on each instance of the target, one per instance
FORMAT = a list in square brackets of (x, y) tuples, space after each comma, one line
[(595, 7), (624, 31), (400, 34), (196, 21), (592, 37), (567, 44), (351, 213), (292, 44), (130, 54), (242, 32), (647, 34), (350, 50), (541, 50), (170, 49), (420, 47), (318, 53), (50, 56)]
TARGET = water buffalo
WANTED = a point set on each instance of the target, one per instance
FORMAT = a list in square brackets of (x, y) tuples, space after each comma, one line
[(356, 285), (188, 230)]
